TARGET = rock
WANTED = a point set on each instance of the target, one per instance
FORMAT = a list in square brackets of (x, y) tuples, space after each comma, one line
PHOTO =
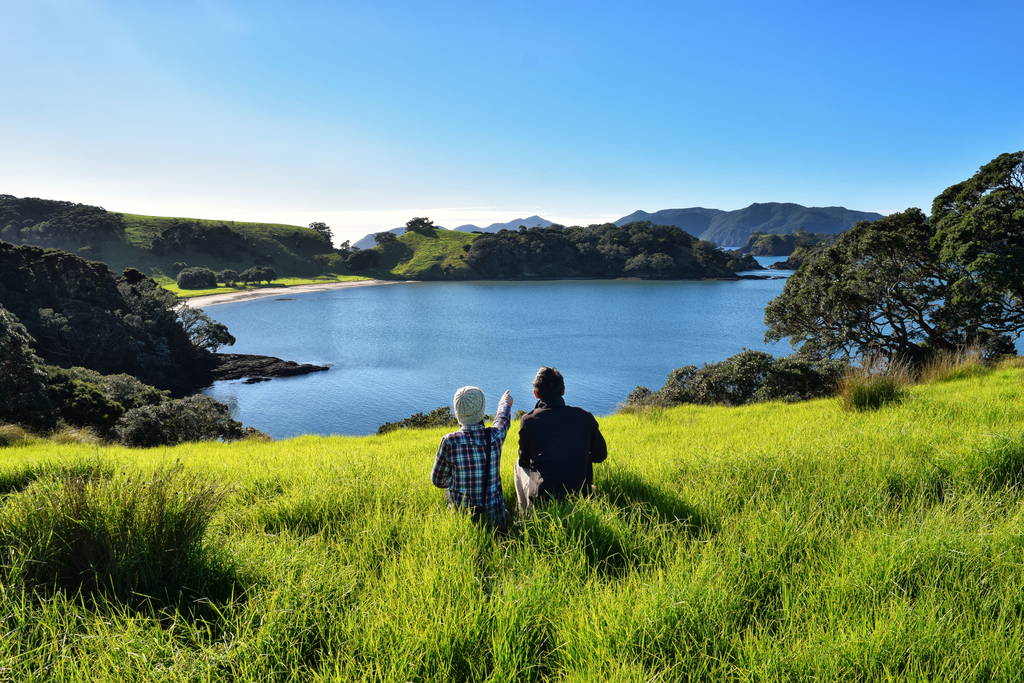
[(259, 368)]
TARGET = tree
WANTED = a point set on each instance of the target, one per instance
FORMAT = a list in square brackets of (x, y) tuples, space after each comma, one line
[(382, 238), (197, 278), (23, 390), (905, 286), (879, 289), (204, 332), (265, 274), (979, 236), (423, 226), (323, 230), (228, 277)]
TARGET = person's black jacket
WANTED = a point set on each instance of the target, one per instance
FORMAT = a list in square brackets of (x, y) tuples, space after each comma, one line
[(562, 443)]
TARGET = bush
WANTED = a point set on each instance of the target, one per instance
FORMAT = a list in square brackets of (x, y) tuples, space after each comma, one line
[(868, 388), (79, 402), (124, 389), (197, 278), (438, 417), (747, 377), (194, 418), (84, 529)]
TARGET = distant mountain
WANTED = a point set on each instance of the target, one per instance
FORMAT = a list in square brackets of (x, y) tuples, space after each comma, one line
[(531, 222), (733, 228)]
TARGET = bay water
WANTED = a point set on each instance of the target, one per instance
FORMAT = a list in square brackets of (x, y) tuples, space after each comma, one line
[(403, 348)]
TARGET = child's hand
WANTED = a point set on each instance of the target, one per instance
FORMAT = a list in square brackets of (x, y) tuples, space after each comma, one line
[(507, 395)]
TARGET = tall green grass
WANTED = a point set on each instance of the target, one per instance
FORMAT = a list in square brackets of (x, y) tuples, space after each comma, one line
[(771, 541)]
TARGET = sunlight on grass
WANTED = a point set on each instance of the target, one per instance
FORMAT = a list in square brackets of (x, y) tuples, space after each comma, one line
[(770, 541), (169, 284)]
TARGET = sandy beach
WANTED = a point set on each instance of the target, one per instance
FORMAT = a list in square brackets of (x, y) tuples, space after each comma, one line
[(231, 297)]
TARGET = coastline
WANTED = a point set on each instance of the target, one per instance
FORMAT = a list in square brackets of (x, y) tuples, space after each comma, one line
[(263, 292)]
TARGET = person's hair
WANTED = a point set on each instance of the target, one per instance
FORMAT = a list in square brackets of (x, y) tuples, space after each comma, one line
[(549, 383)]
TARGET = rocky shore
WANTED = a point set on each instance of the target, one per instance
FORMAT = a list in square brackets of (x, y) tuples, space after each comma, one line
[(254, 368)]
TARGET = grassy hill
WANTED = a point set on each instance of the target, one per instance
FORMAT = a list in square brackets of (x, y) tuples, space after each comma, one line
[(415, 256), (154, 244), (765, 542)]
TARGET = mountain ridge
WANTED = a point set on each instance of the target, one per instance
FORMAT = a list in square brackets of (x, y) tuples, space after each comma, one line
[(733, 228)]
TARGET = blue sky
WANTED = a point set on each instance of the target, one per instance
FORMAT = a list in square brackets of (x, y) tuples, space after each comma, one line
[(364, 114)]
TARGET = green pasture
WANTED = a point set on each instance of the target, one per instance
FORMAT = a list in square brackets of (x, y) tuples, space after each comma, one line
[(169, 284), (766, 542)]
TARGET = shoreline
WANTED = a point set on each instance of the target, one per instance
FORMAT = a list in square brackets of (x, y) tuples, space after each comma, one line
[(263, 292)]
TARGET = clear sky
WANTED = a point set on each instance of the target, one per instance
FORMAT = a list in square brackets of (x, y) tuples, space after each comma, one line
[(364, 114)]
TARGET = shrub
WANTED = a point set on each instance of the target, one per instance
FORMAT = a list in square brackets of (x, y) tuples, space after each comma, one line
[(80, 402), (747, 377), (194, 418), (121, 388), (87, 530), (197, 278), (438, 417), (867, 388)]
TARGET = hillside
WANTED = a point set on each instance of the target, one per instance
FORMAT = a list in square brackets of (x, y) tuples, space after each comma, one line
[(733, 228), (773, 541), (368, 241), (152, 243), (413, 256)]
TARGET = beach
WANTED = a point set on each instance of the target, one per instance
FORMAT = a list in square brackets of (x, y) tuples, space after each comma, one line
[(263, 292)]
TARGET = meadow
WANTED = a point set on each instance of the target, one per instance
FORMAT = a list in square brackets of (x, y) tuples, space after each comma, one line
[(761, 542)]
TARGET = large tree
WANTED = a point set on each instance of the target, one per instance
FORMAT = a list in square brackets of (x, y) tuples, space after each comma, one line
[(323, 230), (907, 285), (979, 235)]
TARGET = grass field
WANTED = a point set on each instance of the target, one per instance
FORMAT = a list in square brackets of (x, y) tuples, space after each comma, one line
[(169, 284), (416, 256), (142, 230), (763, 542)]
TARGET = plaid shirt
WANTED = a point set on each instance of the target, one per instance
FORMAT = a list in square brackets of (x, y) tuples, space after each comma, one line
[(460, 466)]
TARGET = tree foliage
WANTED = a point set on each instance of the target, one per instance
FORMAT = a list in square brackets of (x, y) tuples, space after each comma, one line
[(979, 236), (747, 377), (81, 314), (906, 286), (324, 231), (23, 389), (194, 418), (204, 332), (197, 278), (423, 226), (637, 249)]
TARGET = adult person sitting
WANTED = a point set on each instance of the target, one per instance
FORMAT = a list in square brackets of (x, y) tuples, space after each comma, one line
[(468, 461), (558, 445)]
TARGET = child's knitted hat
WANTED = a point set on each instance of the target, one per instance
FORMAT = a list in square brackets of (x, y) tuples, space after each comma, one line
[(469, 406)]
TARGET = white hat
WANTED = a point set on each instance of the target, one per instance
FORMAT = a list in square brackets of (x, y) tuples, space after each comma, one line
[(469, 405)]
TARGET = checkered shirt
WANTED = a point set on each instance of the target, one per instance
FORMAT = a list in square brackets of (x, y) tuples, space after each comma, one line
[(460, 466)]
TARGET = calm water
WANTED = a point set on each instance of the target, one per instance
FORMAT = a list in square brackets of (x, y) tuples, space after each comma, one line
[(399, 349)]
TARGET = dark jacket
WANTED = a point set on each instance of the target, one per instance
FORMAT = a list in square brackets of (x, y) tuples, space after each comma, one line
[(562, 443)]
